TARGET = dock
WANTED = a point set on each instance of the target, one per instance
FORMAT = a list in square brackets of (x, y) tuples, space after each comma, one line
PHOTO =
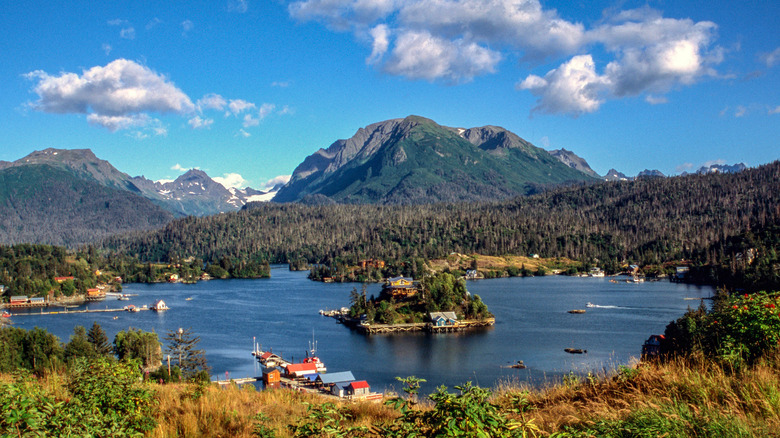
[(424, 326), (66, 311)]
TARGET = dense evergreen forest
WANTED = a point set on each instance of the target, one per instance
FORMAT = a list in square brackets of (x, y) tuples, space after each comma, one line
[(30, 270), (646, 221)]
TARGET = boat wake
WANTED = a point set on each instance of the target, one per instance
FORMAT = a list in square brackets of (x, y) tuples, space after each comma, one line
[(591, 305)]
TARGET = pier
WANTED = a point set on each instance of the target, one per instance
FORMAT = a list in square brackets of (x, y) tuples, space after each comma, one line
[(66, 311), (424, 326)]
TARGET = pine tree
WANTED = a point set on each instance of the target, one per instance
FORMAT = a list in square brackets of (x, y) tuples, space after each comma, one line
[(182, 348), (97, 337)]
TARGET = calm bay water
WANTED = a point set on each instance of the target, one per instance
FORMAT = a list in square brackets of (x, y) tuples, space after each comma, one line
[(283, 314)]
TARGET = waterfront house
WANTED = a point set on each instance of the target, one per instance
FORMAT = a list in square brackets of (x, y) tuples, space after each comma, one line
[(400, 287), (652, 346), (471, 274), (62, 279), (271, 376), (443, 319), (300, 369), (159, 306), (339, 389), (95, 294), (332, 378), (358, 389), (18, 299)]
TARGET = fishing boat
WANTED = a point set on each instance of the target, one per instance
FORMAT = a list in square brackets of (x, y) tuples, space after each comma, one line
[(311, 357), (6, 314)]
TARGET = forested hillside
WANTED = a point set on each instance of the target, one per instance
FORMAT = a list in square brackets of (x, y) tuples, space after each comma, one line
[(644, 221), (40, 203)]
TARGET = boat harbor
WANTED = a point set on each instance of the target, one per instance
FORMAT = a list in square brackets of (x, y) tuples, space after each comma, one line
[(310, 375)]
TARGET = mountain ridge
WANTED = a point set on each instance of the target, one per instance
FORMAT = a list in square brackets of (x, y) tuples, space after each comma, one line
[(416, 160)]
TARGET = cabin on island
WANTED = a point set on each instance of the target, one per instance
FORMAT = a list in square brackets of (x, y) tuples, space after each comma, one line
[(300, 369), (443, 319), (159, 305), (400, 287), (358, 389), (652, 346)]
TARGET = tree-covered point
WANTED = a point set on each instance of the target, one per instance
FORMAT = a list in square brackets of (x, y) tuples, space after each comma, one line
[(440, 292), (32, 270)]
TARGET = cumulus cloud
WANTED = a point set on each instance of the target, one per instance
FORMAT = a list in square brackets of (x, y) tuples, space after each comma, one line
[(380, 35), (111, 95), (265, 110), (457, 40), (420, 55), (273, 182), (237, 106), (197, 122), (231, 180), (573, 88), (775, 110), (250, 120), (211, 101)]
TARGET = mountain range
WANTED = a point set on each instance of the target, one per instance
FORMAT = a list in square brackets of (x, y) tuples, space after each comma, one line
[(415, 160), (71, 197), (193, 193)]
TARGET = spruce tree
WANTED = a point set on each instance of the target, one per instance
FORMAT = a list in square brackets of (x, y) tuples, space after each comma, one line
[(183, 351), (97, 337)]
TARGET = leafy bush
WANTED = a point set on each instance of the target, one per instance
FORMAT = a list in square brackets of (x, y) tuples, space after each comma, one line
[(738, 330)]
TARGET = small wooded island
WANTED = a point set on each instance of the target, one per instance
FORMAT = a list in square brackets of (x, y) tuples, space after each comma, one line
[(437, 303)]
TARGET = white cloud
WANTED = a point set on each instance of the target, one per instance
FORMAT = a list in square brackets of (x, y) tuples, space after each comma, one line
[(457, 40), (106, 48), (250, 120), (380, 35), (231, 180), (127, 33), (179, 168), (740, 111), (116, 96), (243, 133), (271, 183), (420, 55), (280, 84), (211, 101), (197, 122), (656, 100), (775, 110), (237, 106), (265, 110), (773, 58), (186, 26), (573, 88), (116, 123)]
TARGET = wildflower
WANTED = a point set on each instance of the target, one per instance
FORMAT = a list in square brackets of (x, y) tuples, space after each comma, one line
[(735, 306)]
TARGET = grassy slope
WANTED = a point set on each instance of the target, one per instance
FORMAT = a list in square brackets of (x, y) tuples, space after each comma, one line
[(679, 398)]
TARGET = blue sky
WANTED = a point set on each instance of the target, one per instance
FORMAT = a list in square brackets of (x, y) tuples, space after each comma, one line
[(245, 90)]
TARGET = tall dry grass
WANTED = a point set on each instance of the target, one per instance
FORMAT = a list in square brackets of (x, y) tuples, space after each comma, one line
[(683, 397), (236, 412)]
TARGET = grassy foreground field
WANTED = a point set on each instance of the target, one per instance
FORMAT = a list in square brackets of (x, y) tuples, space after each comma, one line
[(679, 398)]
